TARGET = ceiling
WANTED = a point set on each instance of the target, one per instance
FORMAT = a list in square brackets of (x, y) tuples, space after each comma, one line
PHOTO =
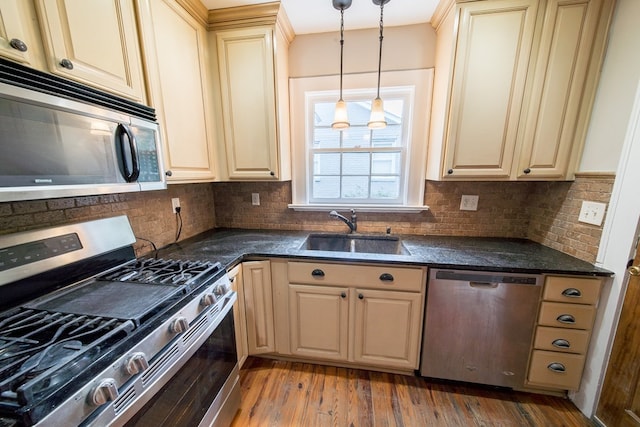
[(319, 16)]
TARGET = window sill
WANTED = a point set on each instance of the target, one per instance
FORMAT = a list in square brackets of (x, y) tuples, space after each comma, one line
[(359, 208)]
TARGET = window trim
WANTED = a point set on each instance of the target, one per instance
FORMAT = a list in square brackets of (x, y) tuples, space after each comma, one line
[(422, 83)]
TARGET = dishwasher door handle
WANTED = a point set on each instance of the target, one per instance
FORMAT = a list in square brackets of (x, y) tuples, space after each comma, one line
[(487, 285)]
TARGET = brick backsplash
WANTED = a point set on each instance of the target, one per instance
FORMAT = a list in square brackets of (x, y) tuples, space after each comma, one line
[(149, 213)]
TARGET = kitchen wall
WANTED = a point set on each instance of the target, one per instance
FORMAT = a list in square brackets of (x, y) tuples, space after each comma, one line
[(149, 212)]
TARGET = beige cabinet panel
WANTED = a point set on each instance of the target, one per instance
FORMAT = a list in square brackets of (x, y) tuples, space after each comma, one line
[(180, 90), (491, 60), (557, 370), (18, 31), (387, 328), (558, 86), (103, 52), (258, 299), (239, 316), (319, 319)]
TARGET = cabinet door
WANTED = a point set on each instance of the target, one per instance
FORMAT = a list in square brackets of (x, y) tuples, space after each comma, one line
[(94, 42), (258, 299), (319, 319), (180, 90), (239, 316), (387, 328), (490, 69), (247, 82), (569, 29), (19, 39)]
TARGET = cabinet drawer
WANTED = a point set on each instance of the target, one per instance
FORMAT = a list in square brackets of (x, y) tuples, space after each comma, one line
[(373, 277), (572, 290), (561, 339), (573, 316), (561, 370)]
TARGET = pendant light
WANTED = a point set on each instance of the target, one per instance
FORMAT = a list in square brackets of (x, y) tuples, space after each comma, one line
[(377, 119), (340, 118)]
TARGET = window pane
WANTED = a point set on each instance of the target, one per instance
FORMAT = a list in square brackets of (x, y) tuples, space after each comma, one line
[(323, 114), (326, 138), (356, 137), (355, 164), (326, 187), (385, 187), (326, 164), (391, 136), (355, 187), (385, 163)]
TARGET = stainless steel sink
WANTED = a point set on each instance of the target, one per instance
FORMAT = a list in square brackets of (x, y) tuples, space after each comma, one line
[(357, 243)]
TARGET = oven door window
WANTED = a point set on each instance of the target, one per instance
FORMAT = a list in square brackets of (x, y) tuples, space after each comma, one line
[(185, 399)]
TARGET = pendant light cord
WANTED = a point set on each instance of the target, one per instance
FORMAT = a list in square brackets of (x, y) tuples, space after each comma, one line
[(380, 54), (341, 46)]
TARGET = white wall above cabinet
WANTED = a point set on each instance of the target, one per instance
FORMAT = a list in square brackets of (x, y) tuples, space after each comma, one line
[(514, 86)]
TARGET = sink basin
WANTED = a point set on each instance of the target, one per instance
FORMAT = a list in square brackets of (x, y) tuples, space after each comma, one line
[(356, 243)]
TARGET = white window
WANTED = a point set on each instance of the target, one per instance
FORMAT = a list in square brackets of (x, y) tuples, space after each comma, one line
[(375, 170)]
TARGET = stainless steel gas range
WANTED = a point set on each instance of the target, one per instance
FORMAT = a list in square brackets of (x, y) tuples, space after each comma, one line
[(92, 336)]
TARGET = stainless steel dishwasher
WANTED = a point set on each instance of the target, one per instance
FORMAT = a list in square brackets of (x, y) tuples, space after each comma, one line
[(479, 326)]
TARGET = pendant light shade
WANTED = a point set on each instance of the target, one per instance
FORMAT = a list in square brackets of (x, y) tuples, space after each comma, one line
[(341, 118), (377, 119)]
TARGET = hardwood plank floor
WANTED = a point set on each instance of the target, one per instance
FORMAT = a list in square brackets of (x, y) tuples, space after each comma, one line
[(277, 393)]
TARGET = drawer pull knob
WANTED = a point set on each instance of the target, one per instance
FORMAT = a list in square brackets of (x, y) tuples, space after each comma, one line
[(317, 273), (572, 293), (18, 45), (343, 295), (360, 296), (556, 367), (560, 343), (566, 318), (386, 277), (65, 63)]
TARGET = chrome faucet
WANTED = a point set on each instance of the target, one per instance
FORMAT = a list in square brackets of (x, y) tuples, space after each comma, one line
[(352, 223)]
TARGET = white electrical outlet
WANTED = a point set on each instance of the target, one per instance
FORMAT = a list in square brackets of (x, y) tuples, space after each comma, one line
[(255, 199), (469, 203), (592, 212), (175, 203)]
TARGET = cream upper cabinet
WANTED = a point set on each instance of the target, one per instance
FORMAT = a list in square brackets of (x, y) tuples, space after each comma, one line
[(514, 86), (180, 89), (252, 68), (19, 36), (258, 298), (93, 42)]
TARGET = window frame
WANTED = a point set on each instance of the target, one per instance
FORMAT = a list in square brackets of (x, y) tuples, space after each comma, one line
[(419, 82)]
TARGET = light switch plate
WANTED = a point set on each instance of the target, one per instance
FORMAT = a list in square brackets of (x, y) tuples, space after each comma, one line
[(255, 199), (469, 203), (592, 212)]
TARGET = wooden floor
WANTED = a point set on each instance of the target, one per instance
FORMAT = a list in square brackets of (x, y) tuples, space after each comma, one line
[(277, 393)]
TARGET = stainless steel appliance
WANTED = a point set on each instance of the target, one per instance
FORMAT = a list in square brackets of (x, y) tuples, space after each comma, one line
[(60, 138), (89, 334), (479, 326)]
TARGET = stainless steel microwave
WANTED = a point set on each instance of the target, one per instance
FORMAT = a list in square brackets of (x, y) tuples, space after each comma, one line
[(57, 146)]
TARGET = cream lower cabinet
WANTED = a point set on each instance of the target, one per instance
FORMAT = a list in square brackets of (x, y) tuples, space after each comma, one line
[(258, 298), (565, 319), (366, 315), (95, 43), (514, 86), (180, 90), (239, 316)]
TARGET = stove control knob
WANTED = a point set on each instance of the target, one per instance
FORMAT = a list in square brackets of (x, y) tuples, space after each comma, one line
[(221, 290), (179, 325), (136, 363), (207, 300), (105, 391)]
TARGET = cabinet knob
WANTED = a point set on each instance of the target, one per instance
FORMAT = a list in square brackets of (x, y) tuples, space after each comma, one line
[(317, 273), (450, 171), (272, 173), (18, 44), (343, 295), (168, 173), (572, 293), (560, 343), (556, 367), (386, 277), (65, 63), (566, 318), (360, 296), (527, 171)]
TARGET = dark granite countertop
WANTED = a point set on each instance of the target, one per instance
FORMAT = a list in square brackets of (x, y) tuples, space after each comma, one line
[(231, 246)]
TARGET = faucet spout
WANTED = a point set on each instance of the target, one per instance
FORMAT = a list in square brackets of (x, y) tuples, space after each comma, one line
[(351, 223)]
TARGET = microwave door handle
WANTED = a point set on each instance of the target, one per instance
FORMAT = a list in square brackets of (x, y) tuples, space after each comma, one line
[(121, 130)]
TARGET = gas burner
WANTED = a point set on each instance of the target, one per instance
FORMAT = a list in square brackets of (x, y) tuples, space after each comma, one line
[(58, 353), (161, 271)]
